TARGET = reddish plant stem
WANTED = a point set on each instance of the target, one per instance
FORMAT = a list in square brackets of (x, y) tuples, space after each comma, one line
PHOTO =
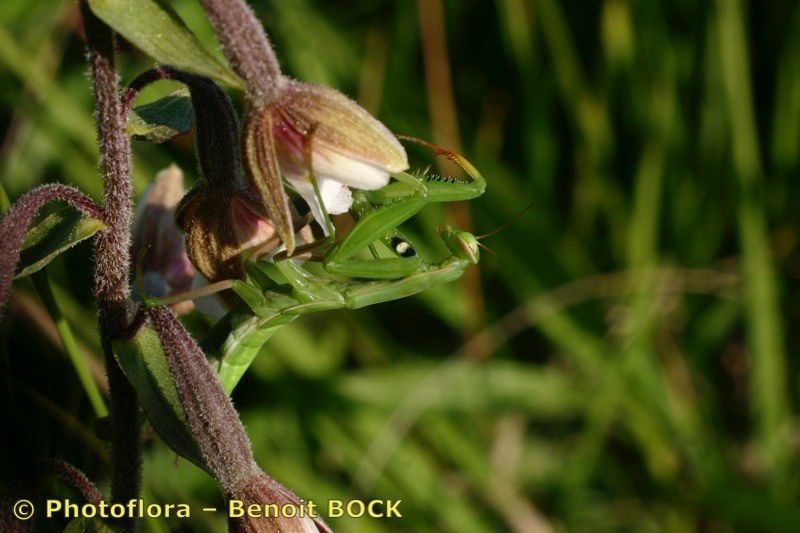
[(30, 488), (216, 124), (71, 476), (19, 218), (246, 46), (112, 256)]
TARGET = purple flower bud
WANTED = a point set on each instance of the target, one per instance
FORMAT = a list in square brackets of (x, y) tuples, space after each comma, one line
[(219, 435), (213, 422), (158, 247), (286, 512)]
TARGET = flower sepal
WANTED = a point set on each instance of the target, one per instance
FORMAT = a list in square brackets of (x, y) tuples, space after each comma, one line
[(324, 144)]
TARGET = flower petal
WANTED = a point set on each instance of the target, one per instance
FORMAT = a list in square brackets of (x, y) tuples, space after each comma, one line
[(335, 196), (349, 171), (251, 229), (340, 125), (158, 243)]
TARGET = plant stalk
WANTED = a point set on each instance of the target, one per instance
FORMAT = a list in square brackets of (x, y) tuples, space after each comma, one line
[(112, 256), (246, 46)]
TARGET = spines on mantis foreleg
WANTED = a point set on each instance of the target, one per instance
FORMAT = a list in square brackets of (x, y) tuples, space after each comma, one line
[(429, 176)]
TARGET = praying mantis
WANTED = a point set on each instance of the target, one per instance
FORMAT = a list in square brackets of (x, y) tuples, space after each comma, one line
[(278, 292)]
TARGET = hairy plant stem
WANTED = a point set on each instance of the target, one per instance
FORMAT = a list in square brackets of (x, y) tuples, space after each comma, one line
[(219, 434), (19, 218), (247, 48), (112, 256), (216, 124)]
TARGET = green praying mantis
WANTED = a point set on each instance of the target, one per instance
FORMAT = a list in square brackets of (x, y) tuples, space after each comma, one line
[(279, 291)]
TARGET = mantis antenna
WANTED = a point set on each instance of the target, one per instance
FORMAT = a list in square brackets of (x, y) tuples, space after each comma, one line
[(502, 226), (199, 292), (485, 247), (505, 224)]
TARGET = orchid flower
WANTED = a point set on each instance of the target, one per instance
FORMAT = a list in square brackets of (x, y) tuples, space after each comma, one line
[(322, 142)]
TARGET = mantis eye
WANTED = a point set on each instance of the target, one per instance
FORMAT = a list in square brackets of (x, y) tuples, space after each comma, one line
[(402, 247), (468, 245)]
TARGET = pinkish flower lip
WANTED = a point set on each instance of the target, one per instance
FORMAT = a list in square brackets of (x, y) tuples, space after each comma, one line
[(251, 229), (288, 137)]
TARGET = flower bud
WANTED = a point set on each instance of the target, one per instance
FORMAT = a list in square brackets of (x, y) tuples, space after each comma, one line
[(217, 433), (213, 423), (292, 516), (158, 249), (219, 227), (292, 126), (219, 217)]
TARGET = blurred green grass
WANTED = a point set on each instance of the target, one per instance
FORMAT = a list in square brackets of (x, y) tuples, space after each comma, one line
[(633, 365)]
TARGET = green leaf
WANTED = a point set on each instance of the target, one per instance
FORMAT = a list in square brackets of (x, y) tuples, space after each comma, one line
[(58, 232), (163, 119), (144, 364), (159, 32)]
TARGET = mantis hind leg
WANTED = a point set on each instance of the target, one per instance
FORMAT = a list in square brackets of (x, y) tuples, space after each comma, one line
[(311, 291), (382, 268)]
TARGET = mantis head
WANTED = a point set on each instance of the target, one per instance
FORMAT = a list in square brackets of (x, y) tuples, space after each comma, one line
[(462, 244)]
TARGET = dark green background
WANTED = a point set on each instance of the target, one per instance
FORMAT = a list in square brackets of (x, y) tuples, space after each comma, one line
[(635, 359)]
